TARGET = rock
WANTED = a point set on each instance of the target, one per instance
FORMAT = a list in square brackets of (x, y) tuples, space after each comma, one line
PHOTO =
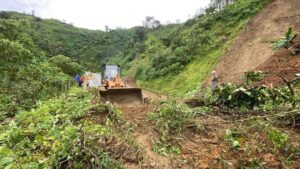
[(152, 164)]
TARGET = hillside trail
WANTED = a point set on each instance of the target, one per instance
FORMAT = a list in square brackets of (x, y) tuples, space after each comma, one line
[(253, 47)]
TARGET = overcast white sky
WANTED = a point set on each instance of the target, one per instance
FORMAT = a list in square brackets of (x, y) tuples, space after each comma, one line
[(95, 14)]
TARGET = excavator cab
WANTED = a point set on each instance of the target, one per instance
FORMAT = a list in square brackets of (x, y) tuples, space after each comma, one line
[(115, 89)]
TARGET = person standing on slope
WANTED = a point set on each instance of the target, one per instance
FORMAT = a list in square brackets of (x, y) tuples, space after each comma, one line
[(214, 80)]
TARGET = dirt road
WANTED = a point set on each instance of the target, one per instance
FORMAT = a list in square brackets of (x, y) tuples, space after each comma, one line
[(143, 134)]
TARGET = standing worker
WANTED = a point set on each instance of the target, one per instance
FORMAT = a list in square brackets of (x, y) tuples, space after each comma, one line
[(77, 79), (214, 80)]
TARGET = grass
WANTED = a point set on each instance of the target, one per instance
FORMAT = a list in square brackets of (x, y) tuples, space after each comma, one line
[(193, 75)]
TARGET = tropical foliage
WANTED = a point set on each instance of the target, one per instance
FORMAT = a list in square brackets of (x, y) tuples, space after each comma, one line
[(57, 134), (26, 74), (253, 76), (286, 41), (66, 64), (259, 97)]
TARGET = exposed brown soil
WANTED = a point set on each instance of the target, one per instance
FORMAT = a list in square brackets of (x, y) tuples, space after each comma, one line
[(254, 47), (201, 150), (145, 136), (283, 64)]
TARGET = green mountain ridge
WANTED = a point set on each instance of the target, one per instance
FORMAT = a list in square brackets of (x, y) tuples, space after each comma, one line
[(89, 47)]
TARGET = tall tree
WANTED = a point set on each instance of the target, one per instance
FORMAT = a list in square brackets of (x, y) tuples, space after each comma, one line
[(107, 29), (151, 23), (219, 4)]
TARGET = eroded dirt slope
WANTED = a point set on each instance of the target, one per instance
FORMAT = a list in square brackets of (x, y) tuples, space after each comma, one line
[(254, 46), (281, 64)]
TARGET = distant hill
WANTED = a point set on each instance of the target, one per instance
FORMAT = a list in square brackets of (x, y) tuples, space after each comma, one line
[(90, 47)]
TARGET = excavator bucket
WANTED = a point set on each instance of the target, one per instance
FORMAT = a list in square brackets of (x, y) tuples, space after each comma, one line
[(122, 95)]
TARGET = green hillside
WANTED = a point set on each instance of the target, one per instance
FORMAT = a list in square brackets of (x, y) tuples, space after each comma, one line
[(173, 59), (178, 61), (91, 48)]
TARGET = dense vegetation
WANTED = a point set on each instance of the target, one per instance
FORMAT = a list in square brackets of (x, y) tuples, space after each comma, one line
[(60, 133), (90, 48), (154, 53), (177, 61), (26, 73)]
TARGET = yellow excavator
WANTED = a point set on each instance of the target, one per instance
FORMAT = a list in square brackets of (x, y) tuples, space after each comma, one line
[(115, 89)]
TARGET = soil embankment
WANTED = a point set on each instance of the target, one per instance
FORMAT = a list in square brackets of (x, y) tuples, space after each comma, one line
[(253, 47)]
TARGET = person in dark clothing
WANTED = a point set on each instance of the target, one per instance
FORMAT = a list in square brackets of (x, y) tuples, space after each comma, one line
[(77, 79)]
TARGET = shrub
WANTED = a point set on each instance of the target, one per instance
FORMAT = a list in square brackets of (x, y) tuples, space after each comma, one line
[(253, 76), (286, 41), (239, 96), (30, 84), (171, 118), (67, 65)]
